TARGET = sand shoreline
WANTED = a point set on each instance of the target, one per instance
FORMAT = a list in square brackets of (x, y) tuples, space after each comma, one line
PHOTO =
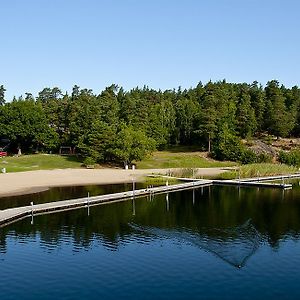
[(20, 183)]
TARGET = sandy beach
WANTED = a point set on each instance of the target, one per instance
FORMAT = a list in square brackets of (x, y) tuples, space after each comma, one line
[(36, 181)]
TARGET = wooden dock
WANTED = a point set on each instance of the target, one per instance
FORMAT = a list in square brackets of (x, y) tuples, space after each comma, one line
[(8, 216), (261, 181), (271, 178), (253, 184)]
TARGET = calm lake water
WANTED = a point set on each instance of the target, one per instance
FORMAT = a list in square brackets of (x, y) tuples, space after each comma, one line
[(211, 243)]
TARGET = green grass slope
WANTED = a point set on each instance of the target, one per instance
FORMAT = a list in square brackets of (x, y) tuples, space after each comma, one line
[(38, 162), (178, 158)]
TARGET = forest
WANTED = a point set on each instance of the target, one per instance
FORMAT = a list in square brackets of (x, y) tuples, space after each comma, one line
[(121, 126)]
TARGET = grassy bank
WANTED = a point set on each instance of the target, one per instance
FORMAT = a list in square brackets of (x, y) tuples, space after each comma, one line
[(245, 171), (160, 180), (38, 162), (255, 170), (180, 158)]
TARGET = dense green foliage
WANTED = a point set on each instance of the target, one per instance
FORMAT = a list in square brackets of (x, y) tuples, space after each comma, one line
[(123, 126), (291, 158)]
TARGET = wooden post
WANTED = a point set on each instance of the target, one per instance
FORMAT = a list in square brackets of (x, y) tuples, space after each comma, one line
[(133, 187), (133, 207), (193, 197), (167, 200)]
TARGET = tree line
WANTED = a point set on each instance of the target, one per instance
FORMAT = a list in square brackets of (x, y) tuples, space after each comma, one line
[(121, 126)]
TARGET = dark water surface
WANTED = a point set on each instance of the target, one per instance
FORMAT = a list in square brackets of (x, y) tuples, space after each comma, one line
[(211, 243), (65, 193)]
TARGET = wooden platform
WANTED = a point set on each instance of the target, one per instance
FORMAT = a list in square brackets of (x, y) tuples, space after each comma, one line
[(271, 178), (261, 181), (8, 216), (252, 184)]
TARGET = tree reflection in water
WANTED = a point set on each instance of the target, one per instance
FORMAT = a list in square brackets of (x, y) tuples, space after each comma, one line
[(212, 219)]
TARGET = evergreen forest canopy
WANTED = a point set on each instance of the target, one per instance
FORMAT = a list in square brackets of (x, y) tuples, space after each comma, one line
[(122, 126)]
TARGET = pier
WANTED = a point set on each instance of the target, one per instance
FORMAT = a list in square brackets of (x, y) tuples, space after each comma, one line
[(261, 181), (11, 215), (246, 183)]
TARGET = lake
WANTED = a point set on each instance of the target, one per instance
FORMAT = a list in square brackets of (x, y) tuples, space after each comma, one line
[(209, 243)]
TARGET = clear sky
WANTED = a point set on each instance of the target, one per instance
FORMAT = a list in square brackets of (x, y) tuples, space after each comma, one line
[(160, 43)]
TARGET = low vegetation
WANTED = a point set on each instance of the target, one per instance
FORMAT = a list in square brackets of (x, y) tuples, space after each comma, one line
[(159, 180), (255, 170)]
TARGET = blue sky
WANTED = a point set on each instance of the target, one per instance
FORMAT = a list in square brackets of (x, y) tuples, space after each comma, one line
[(160, 43)]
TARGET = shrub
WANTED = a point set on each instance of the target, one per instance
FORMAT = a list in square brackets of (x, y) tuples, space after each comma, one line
[(264, 158), (248, 157), (89, 161), (230, 149), (291, 158)]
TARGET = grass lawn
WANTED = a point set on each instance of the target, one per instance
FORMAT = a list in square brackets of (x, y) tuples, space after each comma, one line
[(38, 162), (263, 169), (180, 158)]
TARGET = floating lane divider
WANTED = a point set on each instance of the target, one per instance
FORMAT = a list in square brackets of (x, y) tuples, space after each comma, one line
[(10, 215)]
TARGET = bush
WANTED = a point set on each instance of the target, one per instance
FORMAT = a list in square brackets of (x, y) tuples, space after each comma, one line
[(248, 157), (89, 161), (264, 158), (291, 158), (230, 149)]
